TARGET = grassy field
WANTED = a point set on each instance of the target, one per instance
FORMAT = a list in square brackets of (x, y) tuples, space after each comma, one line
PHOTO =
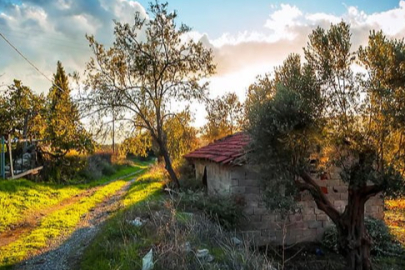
[(55, 224), (20, 197)]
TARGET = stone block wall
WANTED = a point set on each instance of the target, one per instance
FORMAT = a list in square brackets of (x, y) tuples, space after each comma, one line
[(264, 227)]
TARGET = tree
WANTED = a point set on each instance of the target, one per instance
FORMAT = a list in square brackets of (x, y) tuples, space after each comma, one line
[(22, 112), (225, 116), (352, 122), (64, 130), (147, 68), (181, 139), (181, 136)]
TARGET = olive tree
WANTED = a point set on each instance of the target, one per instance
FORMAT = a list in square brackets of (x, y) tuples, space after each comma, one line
[(349, 122), (148, 67)]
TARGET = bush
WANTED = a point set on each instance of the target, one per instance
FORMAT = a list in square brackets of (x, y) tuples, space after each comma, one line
[(63, 170), (97, 165), (225, 210), (383, 242)]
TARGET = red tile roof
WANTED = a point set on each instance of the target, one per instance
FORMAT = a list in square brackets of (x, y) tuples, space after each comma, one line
[(223, 151)]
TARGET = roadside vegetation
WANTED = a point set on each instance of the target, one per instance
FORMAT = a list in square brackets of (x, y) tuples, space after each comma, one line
[(177, 225), (21, 198), (173, 225)]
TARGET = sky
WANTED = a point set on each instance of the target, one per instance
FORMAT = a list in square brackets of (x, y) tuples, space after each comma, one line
[(248, 38)]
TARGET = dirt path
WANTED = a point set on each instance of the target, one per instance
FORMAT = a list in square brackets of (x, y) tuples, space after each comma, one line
[(64, 253), (33, 218)]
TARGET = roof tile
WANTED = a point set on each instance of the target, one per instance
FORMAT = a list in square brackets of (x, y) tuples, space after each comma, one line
[(223, 151)]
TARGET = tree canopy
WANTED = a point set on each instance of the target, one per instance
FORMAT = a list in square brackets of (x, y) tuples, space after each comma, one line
[(225, 116), (149, 66), (22, 112), (322, 110), (181, 139)]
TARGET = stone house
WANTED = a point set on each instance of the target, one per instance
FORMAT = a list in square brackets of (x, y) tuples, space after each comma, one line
[(222, 168)]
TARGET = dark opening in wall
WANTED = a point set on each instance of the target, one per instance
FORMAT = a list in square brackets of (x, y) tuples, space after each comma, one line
[(204, 178)]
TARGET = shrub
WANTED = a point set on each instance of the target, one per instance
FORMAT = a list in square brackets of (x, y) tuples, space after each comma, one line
[(225, 210), (64, 169), (383, 242), (97, 165)]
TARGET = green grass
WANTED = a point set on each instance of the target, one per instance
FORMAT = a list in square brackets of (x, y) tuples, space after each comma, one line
[(21, 197), (119, 244), (55, 224)]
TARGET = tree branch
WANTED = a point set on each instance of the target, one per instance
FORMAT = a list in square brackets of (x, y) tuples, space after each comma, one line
[(320, 199)]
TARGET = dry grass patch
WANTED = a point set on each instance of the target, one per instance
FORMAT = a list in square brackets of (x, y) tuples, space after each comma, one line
[(174, 236)]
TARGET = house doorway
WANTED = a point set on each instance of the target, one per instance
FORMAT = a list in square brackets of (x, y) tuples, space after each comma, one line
[(204, 178)]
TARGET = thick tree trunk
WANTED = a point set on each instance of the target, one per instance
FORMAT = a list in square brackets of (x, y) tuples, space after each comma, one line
[(354, 240), (169, 167)]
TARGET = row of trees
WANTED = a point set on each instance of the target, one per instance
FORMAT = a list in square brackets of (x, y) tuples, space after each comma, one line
[(53, 120), (225, 116), (136, 81)]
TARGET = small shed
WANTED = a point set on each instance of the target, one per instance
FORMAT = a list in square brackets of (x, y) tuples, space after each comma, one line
[(223, 169)]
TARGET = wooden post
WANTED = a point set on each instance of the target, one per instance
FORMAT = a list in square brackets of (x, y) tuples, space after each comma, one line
[(3, 159), (113, 130), (11, 156)]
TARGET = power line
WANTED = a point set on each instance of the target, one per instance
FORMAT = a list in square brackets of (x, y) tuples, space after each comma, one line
[(46, 38), (26, 59)]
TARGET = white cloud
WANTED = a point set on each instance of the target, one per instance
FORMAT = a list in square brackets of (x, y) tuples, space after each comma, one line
[(391, 21), (54, 30), (242, 56), (47, 31), (281, 20)]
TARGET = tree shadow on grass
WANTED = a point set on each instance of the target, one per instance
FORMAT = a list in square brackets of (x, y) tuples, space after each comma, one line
[(68, 254)]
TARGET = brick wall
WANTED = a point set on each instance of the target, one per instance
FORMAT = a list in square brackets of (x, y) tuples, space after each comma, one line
[(263, 226), (308, 225)]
